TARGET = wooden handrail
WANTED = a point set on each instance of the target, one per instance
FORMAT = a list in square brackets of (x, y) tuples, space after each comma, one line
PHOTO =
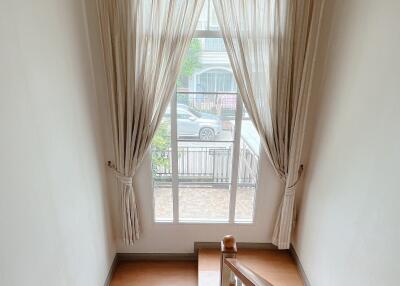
[(245, 275), (230, 265)]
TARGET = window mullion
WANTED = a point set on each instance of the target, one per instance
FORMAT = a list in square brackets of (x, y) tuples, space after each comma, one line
[(208, 14), (235, 158), (174, 158)]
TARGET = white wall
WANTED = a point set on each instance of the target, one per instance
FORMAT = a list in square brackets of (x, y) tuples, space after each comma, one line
[(349, 229), (54, 223)]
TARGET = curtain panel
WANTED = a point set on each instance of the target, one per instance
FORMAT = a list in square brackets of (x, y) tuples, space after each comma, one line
[(144, 42), (271, 46)]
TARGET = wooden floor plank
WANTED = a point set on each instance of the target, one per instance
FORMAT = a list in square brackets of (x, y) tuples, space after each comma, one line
[(157, 273)]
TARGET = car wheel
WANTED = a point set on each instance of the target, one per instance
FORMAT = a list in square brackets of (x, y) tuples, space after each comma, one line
[(207, 134)]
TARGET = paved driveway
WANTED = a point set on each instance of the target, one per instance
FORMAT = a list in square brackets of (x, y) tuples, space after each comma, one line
[(204, 204)]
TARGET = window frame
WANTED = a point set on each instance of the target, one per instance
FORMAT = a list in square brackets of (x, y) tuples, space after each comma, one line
[(235, 160)]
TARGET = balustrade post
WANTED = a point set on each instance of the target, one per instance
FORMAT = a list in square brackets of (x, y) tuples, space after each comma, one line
[(228, 250)]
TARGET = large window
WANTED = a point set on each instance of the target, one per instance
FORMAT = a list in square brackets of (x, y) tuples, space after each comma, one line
[(205, 153)]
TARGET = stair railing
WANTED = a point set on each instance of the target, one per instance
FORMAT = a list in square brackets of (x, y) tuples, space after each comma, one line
[(234, 273)]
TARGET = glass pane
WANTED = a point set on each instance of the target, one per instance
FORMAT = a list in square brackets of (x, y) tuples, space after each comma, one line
[(208, 18), (163, 206), (162, 170), (214, 26), (204, 172), (214, 44), (206, 110), (202, 24), (248, 170)]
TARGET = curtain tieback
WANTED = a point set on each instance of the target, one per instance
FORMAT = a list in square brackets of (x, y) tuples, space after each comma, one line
[(126, 180), (291, 189)]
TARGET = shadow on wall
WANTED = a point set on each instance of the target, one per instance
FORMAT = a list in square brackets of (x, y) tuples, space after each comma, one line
[(315, 106), (95, 89)]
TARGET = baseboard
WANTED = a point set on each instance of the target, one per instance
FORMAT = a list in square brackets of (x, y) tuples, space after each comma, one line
[(111, 271), (299, 266), (125, 257)]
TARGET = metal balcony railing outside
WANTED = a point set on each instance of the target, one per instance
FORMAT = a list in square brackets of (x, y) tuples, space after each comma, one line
[(207, 165)]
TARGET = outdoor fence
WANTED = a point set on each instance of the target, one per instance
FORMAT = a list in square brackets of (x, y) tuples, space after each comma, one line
[(217, 103), (207, 165)]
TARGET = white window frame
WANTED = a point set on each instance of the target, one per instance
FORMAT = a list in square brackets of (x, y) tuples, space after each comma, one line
[(235, 159)]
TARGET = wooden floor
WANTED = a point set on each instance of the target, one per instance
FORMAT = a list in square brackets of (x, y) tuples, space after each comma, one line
[(160, 273), (277, 267)]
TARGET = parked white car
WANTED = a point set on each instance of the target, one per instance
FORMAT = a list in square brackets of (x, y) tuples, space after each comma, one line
[(192, 123)]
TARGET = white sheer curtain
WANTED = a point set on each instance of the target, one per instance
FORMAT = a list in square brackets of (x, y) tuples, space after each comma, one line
[(271, 46), (144, 42)]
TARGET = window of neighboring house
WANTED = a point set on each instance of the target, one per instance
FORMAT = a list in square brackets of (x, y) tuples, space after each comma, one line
[(205, 154), (215, 80), (214, 45)]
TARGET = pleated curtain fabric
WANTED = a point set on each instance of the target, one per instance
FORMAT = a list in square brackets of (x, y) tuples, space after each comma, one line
[(144, 42), (271, 45)]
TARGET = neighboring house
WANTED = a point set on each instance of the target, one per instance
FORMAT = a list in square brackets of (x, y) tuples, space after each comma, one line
[(215, 73)]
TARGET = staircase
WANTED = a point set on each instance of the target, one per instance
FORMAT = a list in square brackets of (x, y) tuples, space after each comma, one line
[(271, 267), (250, 267)]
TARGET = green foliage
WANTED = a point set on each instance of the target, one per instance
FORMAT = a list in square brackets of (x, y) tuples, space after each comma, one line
[(191, 61), (161, 144)]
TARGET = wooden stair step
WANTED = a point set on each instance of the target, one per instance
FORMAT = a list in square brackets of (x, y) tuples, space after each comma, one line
[(276, 266)]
